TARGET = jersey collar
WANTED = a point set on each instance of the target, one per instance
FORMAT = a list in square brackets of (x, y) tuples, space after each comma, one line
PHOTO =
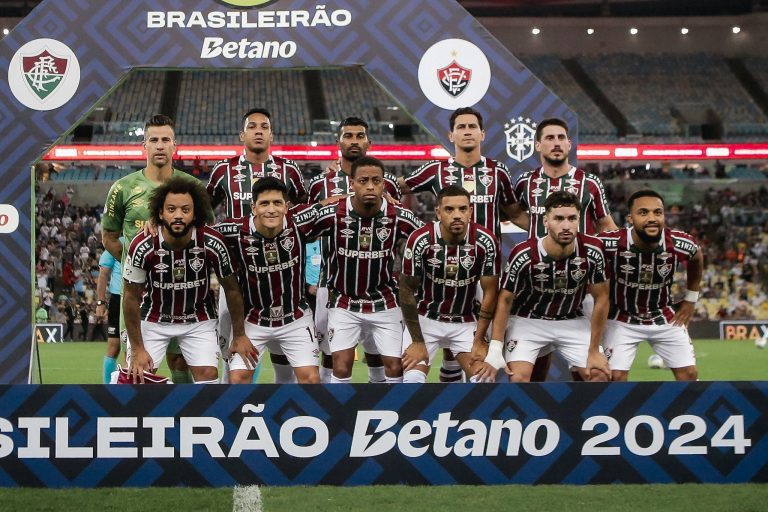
[(634, 248)]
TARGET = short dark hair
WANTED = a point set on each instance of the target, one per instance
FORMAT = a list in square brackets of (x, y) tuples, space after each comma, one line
[(552, 121), (366, 161), (352, 121), (559, 199), (181, 185), (465, 111), (159, 120), (265, 184), (257, 110), (452, 191), (643, 193)]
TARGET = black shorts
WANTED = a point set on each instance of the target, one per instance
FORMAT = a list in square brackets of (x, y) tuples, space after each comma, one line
[(113, 317)]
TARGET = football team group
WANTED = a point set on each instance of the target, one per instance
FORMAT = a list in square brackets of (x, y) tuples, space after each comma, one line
[(578, 284)]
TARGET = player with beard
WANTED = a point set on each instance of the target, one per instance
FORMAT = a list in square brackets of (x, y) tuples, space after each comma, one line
[(642, 259), (556, 173), (488, 182), (167, 286), (544, 285), (126, 209), (443, 264), (365, 231), (353, 142), (231, 183)]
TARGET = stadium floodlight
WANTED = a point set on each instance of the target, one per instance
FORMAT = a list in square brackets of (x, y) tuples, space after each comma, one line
[(6, 31), (684, 30), (736, 29), (633, 31), (536, 31), (590, 31)]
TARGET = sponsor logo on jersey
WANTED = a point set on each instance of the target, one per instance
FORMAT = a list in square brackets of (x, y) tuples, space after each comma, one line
[(664, 255), (578, 260), (337, 179), (436, 248), (196, 264), (238, 178), (537, 192), (252, 251), (196, 250), (239, 167), (161, 252), (337, 191), (627, 268), (511, 344), (44, 74), (161, 266), (451, 169), (347, 220), (276, 312), (541, 265), (520, 135), (451, 180), (541, 277), (445, 76), (384, 221), (627, 254)]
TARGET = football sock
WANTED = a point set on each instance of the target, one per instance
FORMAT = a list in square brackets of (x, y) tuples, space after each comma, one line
[(339, 380), (394, 380), (414, 377), (108, 366), (283, 374), (450, 371), (376, 374)]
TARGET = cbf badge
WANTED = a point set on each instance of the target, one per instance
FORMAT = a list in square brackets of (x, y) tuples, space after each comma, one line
[(520, 138)]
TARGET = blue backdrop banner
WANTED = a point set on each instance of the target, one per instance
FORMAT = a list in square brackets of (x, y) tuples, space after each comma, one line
[(573, 433)]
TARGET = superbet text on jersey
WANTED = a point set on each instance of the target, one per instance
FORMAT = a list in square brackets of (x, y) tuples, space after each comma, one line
[(450, 273), (360, 265), (487, 182), (550, 289), (232, 180), (641, 283), (533, 187)]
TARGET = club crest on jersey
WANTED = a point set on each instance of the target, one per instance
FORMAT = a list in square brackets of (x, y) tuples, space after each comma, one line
[(383, 233), (287, 243), (467, 261), (520, 135), (365, 241), (665, 269), (196, 264), (276, 312), (454, 78), (578, 274), (486, 180)]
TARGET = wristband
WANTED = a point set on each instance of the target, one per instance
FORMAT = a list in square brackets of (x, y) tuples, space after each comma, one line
[(691, 296)]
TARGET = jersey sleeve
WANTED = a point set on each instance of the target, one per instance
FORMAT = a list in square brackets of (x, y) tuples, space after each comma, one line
[(685, 245), (600, 206), (520, 190), (506, 190), (517, 265), (316, 188), (492, 258), (596, 256), (294, 180), (407, 222), (218, 254), (423, 178), (114, 209), (136, 262), (214, 188), (413, 256), (391, 186), (304, 217), (106, 260), (326, 219)]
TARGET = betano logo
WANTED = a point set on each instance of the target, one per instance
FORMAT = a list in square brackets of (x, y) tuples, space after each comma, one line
[(247, 4), (44, 74)]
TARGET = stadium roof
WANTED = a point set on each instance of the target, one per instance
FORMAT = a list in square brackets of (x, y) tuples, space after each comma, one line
[(546, 8)]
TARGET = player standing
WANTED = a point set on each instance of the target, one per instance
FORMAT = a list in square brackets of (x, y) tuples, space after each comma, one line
[(642, 259), (487, 181), (110, 279), (231, 182), (126, 208), (353, 142)]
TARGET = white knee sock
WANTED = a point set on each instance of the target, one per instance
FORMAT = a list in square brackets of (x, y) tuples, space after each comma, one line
[(376, 374), (339, 380), (214, 381), (414, 377), (394, 380), (325, 375), (284, 374)]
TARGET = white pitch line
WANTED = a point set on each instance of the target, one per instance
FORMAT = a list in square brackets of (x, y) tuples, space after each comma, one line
[(246, 498)]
